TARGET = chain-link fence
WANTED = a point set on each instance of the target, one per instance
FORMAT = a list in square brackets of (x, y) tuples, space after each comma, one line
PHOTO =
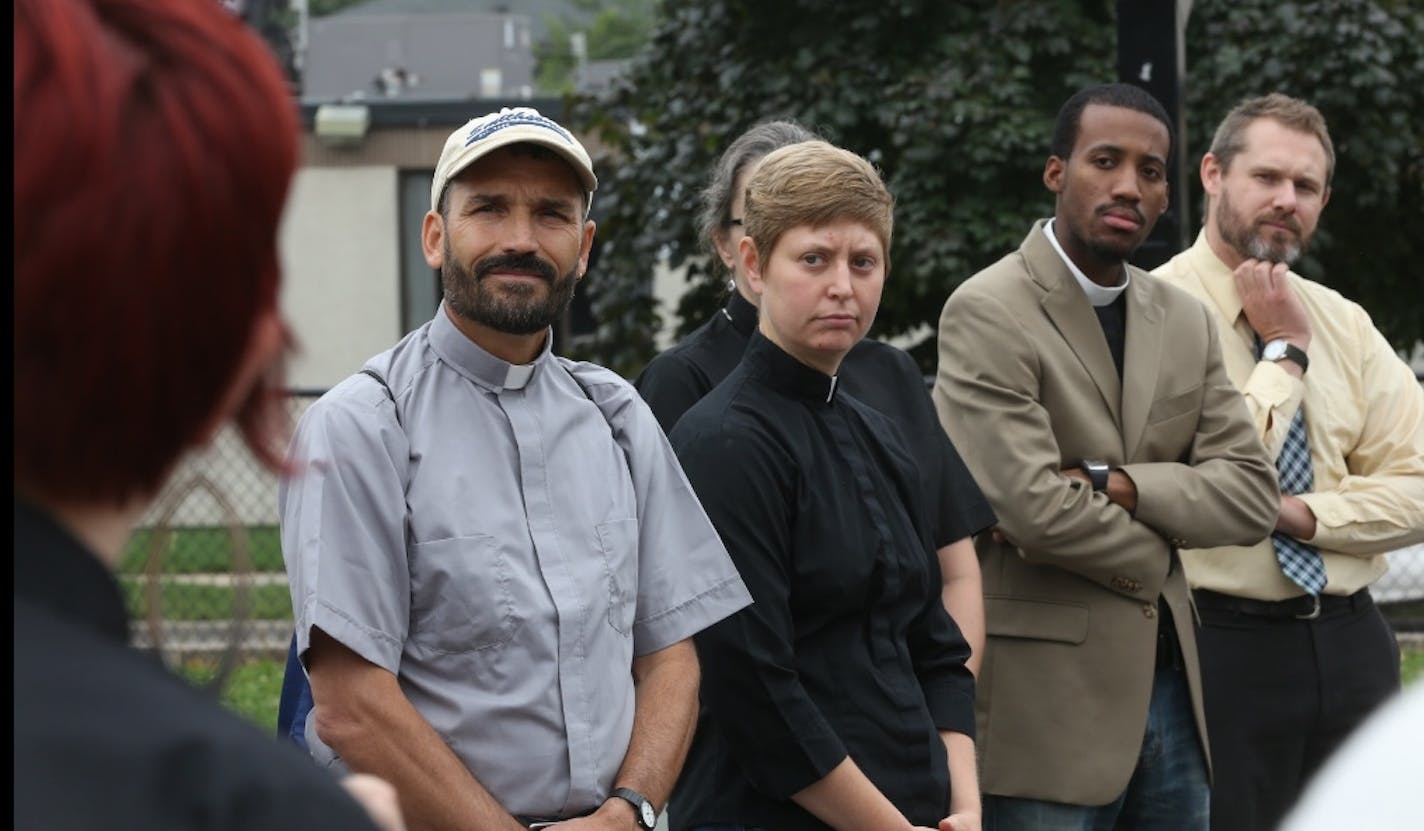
[(204, 575)]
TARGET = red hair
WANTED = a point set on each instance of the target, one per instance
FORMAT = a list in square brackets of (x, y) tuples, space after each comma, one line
[(154, 144)]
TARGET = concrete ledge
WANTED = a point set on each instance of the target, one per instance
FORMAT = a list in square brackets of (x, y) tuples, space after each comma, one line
[(215, 636)]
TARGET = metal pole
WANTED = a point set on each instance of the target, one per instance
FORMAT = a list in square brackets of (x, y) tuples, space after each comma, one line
[(1151, 53)]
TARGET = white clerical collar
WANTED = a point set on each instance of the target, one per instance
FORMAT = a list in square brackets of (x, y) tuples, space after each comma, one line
[(495, 374), (1097, 295)]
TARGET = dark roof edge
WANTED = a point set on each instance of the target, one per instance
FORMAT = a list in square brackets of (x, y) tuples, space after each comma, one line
[(416, 113)]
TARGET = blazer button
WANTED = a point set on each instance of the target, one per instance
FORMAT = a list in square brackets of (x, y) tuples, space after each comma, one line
[(1149, 611)]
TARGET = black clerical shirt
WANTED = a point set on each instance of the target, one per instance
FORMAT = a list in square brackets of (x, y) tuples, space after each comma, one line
[(678, 377), (106, 737), (847, 649), (876, 373)]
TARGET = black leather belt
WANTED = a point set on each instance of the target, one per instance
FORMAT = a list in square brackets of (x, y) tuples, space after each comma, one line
[(1304, 607)]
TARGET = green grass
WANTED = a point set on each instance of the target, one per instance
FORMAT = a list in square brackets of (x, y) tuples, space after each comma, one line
[(180, 602), (200, 550), (1411, 667), (252, 689), (204, 551)]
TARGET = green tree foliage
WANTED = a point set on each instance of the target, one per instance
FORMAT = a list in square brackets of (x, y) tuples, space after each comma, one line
[(955, 103), (1362, 65), (612, 29), (320, 8)]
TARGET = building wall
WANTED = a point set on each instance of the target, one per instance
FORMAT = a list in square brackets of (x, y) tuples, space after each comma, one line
[(451, 55), (341, 256)]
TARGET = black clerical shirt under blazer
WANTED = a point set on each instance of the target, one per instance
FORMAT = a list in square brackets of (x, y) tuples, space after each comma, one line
[(847, 649)]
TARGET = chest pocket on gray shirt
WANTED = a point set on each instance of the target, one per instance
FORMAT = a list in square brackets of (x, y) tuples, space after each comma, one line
[(618, 542), (462, 597)]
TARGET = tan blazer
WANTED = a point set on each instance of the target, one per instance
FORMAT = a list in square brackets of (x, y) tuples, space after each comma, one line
[(1027, 386)]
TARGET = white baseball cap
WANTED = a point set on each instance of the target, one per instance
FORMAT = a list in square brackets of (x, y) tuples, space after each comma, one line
[(488, 133)]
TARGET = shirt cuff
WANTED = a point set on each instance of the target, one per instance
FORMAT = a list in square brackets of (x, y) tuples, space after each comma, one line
[(952, 707), (788, 765), (1276, 393), (1332, 514), (375, 646), (689, 618), (1272, 384)]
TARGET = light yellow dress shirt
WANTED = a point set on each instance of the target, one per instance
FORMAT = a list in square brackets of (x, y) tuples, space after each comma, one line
[(1364, 417)]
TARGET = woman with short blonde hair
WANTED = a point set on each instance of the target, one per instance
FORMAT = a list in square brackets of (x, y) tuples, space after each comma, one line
[(840, 698)]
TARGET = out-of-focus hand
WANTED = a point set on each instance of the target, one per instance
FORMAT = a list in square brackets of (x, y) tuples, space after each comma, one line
[(1270, 304), (963, 821), (378, 797), (997, 535), (592, 822), (613, 815)]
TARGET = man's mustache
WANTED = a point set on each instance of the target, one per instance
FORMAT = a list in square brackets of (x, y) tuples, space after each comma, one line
[(529, 263), (1288, 220)]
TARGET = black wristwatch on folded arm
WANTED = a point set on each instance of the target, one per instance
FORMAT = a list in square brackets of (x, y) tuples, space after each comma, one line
[(1097, 473), (1283, 350), (643, 810)]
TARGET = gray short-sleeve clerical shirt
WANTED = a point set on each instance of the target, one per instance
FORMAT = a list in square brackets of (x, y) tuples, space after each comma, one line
[(504, 539)]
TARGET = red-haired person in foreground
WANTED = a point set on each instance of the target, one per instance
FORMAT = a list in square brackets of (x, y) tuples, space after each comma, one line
[(154, 144)]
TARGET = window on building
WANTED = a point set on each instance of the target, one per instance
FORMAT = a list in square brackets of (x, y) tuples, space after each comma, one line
[(420, 284)]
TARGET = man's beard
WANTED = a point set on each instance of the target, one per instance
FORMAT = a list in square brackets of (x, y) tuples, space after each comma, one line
[(1252, 240), (516, 309)]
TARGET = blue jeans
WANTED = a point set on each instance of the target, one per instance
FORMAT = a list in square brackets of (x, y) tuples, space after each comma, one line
[(1168, 790)]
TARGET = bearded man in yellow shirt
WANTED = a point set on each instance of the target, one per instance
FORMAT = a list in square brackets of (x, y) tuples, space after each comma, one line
[(1294, 653)]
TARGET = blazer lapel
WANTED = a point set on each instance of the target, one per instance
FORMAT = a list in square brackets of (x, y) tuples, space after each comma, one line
[(1071, 313), (1142, 364)]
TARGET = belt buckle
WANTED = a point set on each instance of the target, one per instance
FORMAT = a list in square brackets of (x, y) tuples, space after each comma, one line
[(1314, 612)]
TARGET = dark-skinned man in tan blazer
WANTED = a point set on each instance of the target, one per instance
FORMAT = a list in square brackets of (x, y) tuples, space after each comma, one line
[(1090, 402)]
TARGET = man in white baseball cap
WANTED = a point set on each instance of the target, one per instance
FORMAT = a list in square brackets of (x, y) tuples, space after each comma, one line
[(495, 561), (488, 133)]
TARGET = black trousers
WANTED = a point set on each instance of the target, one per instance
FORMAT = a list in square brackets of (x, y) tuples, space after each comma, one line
[(1282, 692)]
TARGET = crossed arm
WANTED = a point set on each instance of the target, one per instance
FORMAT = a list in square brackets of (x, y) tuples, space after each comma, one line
[(996, 394)]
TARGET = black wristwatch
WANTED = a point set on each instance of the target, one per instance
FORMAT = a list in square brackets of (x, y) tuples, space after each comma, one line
[(1283, 350), (642, 808), (1097, 473)]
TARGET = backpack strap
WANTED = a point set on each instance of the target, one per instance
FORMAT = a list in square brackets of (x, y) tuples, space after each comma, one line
[(607, 419), (366, 370), (380, 379)]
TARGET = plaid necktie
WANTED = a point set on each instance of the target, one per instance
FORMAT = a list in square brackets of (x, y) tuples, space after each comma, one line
[(1300, 561)]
